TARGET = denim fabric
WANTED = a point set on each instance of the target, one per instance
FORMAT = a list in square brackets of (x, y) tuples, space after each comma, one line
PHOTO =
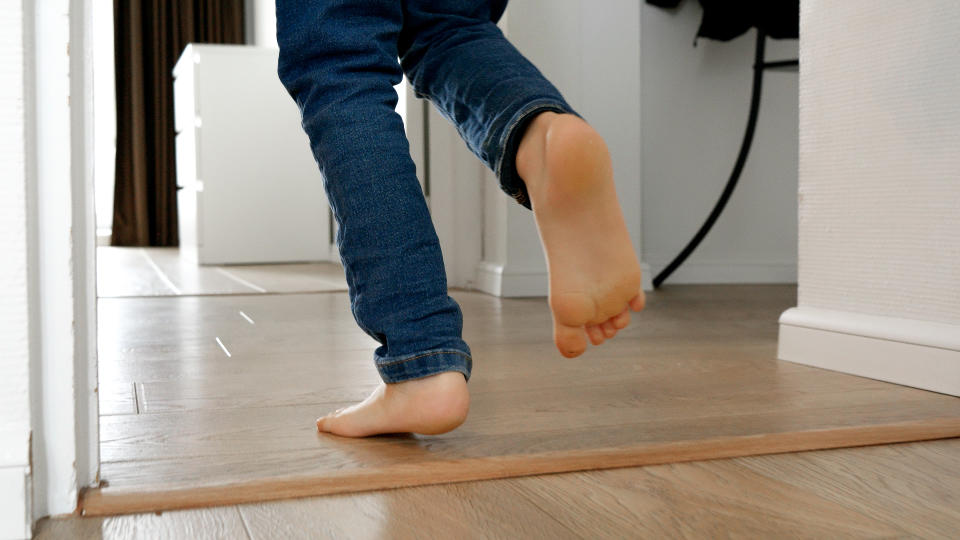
[(339, 61)]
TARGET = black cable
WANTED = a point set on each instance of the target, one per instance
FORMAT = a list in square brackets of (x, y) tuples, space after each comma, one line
[(758, 67)]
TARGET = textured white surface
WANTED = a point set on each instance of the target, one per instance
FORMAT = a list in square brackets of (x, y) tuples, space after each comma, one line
[(14, 332), (14, 337), (880, 158)]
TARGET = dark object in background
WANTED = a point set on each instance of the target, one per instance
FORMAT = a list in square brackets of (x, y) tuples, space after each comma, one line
[(149, 36), (724, 20)]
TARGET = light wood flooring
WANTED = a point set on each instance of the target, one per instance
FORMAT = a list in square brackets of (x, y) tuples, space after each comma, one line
[(894, 491), (211, 400), (125, 272)]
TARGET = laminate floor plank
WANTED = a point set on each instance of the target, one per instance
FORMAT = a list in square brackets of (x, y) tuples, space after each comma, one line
[(286, 380), (151, 271), (117, 398), (911, 486), (470, 510), (207, 523), (293, 277), (694, 377), (191, 278), (127, 272), (729, 498), (260, 434), (892, 491)]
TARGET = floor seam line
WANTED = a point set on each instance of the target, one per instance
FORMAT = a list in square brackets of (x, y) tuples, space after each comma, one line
[(243, 520)]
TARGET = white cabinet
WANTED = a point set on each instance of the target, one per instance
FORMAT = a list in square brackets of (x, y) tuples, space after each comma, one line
[(249, 188)]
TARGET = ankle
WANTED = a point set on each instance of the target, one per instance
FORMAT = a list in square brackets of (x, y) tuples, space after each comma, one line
[(438, 399), (561, 146), (530, 160)]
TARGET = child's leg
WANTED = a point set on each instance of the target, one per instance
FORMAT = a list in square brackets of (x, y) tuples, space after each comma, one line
[(338, 59), (507, 113)]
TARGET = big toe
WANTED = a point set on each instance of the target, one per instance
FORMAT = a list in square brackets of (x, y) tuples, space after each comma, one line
[(570, 340), (348, 424)]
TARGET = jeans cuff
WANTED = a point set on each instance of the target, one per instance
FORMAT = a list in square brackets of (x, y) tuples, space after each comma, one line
[(425, 364), (510, 181)]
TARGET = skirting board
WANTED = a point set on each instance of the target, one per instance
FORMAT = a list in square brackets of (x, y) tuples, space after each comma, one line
[(913, 353), (14, 521), (496, 280), (709, 272)]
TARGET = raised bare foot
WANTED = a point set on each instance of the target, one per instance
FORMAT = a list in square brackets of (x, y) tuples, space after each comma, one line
[(430, 406), (594, 272)]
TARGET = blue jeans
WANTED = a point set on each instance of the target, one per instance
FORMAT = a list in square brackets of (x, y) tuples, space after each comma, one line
[(339, 61)]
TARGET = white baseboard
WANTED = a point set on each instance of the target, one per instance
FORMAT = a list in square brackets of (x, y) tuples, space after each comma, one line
[(913, 353), (495, 279), (14, 518), (704, 272)]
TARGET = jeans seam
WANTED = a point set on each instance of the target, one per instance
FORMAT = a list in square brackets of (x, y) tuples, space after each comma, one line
[(422, 355)]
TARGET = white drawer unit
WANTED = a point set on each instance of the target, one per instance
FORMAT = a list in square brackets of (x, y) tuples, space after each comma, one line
[(249, 190)]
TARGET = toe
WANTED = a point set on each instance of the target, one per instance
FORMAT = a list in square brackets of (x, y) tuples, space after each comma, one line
[(570, 340), (622, 320), (595, 334), (638, 302), (608, 329)]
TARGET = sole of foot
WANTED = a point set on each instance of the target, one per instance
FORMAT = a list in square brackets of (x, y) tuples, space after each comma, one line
[(428, 406), (595, 277)]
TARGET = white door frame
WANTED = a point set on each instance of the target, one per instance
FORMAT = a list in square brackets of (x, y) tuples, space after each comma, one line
[(60, 238)]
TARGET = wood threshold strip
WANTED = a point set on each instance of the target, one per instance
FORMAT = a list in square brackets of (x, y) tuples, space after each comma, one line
[(114, 501)]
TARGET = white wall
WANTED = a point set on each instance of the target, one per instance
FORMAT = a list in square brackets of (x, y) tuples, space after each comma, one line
[(261, 23), (879, 192), (48, 404), (695, 102), (593, 57), (105, 114), (880, 160), (63, 366), (14, 329)]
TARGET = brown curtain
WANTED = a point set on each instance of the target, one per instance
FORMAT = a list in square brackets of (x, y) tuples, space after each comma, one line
[(149, 36)]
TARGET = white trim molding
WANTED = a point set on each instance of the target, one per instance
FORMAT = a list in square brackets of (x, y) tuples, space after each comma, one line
[(915, 353), (700, 271), (500, 280), (15, 498)]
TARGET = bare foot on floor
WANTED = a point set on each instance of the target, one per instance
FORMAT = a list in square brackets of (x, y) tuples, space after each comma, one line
[(594, 272), (430, 406)]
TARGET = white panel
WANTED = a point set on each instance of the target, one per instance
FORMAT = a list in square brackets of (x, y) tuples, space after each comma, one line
[(880, 158), (14, 521), (261, 195)]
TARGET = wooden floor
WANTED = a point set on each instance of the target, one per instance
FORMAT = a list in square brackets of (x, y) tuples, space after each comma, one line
[(894, 491), (163, 272), (211, 400)]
